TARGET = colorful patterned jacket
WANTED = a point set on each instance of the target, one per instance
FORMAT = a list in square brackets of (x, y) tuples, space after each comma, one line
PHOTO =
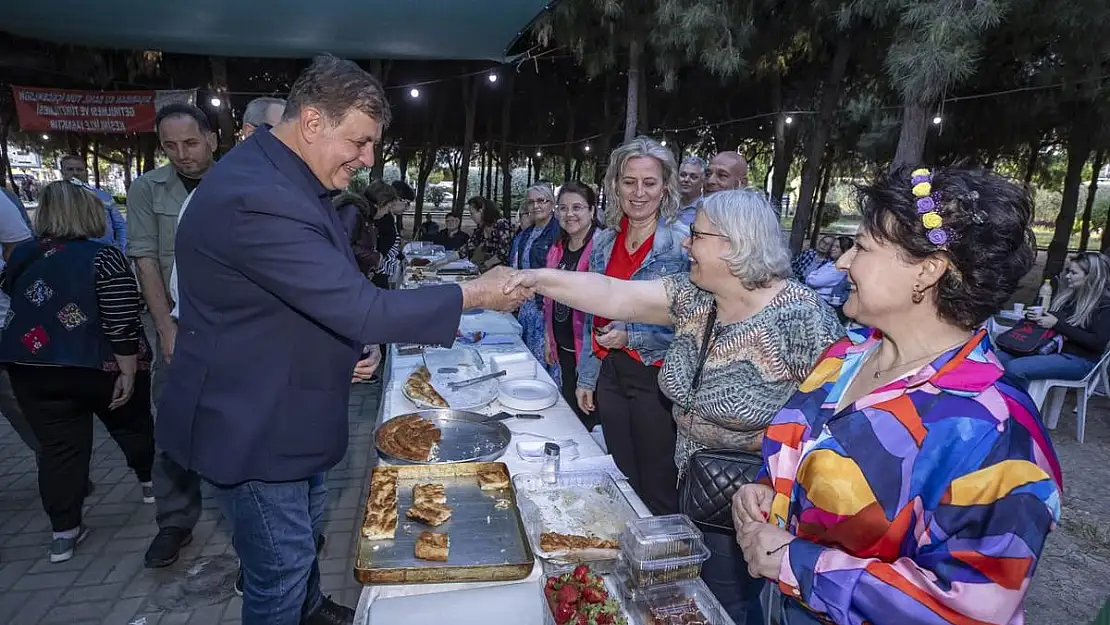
[(928, 500)]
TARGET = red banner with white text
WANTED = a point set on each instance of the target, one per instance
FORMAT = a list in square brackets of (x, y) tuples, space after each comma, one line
[(55, 110)]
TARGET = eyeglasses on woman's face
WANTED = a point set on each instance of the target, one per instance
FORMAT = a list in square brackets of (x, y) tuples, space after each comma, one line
[(538, 205), (698, 235), (572, 209)]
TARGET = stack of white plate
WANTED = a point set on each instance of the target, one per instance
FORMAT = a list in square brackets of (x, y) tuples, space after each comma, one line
[(527, 395)]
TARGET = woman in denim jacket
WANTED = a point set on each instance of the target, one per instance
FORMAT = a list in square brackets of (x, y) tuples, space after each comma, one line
[(642, 241)]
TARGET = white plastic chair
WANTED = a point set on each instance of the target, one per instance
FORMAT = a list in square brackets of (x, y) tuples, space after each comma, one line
[(1040, 389)]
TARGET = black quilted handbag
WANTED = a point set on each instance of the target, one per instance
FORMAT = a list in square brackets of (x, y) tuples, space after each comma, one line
[(713, 475)]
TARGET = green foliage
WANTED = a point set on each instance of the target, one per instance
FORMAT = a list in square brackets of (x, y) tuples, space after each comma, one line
[(436, 195)]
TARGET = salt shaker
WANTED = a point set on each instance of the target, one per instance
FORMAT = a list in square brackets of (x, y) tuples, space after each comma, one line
[(550, 463)]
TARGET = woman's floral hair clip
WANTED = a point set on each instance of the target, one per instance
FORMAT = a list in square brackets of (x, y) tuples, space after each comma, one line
[(928, 204)]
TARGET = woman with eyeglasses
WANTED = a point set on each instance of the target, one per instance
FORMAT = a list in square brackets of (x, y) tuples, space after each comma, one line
[(745, 336), (571, 252), (529, 250), (1080, 315)]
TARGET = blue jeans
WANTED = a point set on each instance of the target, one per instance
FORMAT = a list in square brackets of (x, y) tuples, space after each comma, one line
[(726, 574), (1025, 369), (273, 527)]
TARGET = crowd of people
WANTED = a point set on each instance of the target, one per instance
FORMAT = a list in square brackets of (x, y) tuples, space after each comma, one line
[(905, 472)]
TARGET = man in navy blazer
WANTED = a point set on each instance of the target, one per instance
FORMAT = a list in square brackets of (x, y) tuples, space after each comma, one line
[(274, 314)]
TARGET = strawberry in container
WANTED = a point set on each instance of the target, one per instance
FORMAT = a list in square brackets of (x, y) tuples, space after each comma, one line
[(581, 597)]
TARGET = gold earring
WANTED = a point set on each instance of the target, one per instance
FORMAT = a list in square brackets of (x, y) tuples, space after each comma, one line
[(918, 296)]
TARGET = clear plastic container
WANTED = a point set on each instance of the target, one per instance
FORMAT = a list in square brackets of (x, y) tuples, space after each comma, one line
[(688, 602), (553, 569), (643, 573), (661, 537)]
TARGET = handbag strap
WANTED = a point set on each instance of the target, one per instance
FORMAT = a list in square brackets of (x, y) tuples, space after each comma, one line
[(703, 354)]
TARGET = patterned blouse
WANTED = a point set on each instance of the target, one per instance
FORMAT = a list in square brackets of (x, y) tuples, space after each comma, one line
[(752, 368), (928, 500), (494, 244)]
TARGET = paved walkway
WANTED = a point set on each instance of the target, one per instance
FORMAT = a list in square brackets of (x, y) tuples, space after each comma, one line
[(105, 583)]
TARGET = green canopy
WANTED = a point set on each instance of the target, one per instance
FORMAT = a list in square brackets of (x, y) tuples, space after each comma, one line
[(359, 29)]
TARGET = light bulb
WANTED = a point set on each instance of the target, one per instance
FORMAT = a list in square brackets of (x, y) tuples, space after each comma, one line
[(937, 120), (587, 148), (215, 101), (663, 143), (492, 77), (414, 93), (539, 154), (789, 120), (45, 137)]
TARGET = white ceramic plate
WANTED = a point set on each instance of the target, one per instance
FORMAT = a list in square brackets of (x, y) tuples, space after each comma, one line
[(527, 395)]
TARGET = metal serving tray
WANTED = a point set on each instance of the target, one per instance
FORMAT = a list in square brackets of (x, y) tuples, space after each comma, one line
[(487, 539), (467, 437), (582, 503)]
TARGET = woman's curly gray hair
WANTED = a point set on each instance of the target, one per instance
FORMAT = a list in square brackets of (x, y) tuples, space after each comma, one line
[(640, 147)]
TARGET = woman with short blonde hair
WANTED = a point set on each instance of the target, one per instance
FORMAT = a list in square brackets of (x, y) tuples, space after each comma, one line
[(74, 345)]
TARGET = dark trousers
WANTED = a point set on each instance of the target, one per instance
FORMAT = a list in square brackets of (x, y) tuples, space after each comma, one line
[(57, 402), (568, 368), (726, 574), (639, 430), (177, 496)]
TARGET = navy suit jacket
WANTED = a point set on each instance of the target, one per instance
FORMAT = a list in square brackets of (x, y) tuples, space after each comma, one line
[(274, 314)]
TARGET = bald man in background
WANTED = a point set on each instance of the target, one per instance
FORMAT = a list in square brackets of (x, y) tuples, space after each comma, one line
[(727, 170)]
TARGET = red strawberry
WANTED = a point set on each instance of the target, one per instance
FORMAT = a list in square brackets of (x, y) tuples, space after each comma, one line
[(550, 585), (605, 619), (582, 619), (564, 613), (568, 594), (593, 595), (582, 573)]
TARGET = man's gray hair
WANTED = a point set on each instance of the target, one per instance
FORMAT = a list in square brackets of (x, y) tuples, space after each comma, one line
[(696, 161), (335, 86), (758, 253), (640, 147), (255, 113)]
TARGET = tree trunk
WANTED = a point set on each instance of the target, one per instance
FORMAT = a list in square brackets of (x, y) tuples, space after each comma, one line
[(643, 126), (380, 70), (428, 158), (822, 199), (577, 168), (506, 160), (780, 167), (568, 147), (1079, 149), (6, 176), (1031, 162), (911, 142), (150, 143), (403, 158), (470, 105), (530, 163), (127, 169), (96, 163), (1092, 189), (218, 64), (632, 107), (811, 171)]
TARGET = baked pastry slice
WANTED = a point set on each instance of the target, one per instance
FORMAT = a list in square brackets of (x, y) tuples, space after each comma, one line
[(433, 514), (429, 494), (380, 520), (432, 546), (493, 477)]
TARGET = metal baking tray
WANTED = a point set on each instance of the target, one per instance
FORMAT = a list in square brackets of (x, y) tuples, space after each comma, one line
[(487, 544), (467, 437), (587, 503)]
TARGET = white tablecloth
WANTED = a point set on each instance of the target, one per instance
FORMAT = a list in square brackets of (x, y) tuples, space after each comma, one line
[(384, 605)]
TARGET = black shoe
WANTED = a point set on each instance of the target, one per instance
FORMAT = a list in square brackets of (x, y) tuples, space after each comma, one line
[(166, 546), (330, 613)]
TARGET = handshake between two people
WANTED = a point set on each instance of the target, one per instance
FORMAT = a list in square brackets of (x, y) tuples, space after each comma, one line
[(501, 288)]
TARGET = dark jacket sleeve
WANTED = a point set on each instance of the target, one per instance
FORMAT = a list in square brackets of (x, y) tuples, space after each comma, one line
[(1095, 335), (287, 253)]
